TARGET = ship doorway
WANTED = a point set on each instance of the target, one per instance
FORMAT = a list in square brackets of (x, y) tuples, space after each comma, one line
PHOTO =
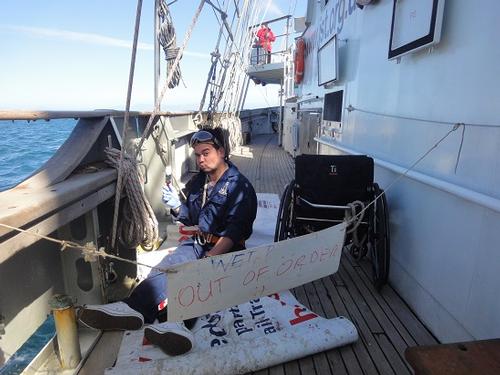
[(309, 127)]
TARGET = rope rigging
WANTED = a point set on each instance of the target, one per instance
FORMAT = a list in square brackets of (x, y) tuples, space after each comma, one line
[(138, 225), (227, 74), (119, 180), (146, 222), (167, 39)]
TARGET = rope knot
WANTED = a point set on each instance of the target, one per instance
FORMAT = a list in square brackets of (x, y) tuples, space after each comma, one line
[(90, 253)]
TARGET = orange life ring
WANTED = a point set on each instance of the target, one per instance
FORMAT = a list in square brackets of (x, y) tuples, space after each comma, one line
[(300, 47)]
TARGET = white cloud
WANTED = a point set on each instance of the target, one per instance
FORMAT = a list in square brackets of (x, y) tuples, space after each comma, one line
[(88, 38)]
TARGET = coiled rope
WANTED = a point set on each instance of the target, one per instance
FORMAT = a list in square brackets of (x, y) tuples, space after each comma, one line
[(139, 225), (352, 217), (167, 40), (119, 179)]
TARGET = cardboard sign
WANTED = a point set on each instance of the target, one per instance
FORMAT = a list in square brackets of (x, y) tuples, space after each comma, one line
[(212, 284)]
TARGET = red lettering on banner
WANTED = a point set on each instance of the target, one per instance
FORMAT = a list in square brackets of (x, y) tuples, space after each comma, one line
[(181, 294), (189, 294), (276, 296), (335, 250), (246, 280), (312, 259), (302, 318), (323, 254), (299, 262), (262, 271), (281, 271), (209, 292), (219, 281)]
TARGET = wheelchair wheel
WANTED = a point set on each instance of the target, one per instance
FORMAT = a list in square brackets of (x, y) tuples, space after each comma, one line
[(379, 240), (284, 221)]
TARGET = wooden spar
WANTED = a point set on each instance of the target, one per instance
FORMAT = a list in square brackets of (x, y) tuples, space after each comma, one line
[(50, 115), (270, 21)]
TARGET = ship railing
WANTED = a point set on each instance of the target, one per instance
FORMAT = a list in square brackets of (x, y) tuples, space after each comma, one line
[(13, 115), (259, 55)]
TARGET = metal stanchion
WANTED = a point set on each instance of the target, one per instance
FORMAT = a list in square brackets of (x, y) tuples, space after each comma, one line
[(67, 335)]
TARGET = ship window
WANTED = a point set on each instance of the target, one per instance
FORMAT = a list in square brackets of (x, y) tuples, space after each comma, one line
[(415, 25), (328, 62), (333, 106)]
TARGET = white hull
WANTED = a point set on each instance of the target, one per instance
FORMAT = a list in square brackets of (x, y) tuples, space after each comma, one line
[(445, 257)]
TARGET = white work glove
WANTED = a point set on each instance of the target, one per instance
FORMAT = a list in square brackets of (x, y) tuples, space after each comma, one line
[(170, 197)]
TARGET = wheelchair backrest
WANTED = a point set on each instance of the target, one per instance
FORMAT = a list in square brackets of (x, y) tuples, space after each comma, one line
[(334, 179)]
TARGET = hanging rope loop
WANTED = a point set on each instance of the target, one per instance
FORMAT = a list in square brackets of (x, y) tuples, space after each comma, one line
[(167, 40), (138, 224)]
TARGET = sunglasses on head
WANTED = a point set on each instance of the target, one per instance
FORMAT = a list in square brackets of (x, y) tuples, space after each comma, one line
[(203, 136)]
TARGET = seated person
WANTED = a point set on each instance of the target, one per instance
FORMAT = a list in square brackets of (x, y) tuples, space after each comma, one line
[(222, 203)]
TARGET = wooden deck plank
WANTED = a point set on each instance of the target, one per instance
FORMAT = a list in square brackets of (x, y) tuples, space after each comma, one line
[(292, 368), (385, 323), (366, 337), (353, 359), (388, 328), (277, 370), (335, 357), (407, 338), (405, 315), (321, 360)]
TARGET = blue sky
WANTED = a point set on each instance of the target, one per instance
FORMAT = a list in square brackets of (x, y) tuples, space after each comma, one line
[(62, 54)]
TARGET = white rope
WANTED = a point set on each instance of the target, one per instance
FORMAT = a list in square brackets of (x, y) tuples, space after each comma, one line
[(353, 217), (403, 174), (139, 225), (351, 108), (355, 221), (89, 250)]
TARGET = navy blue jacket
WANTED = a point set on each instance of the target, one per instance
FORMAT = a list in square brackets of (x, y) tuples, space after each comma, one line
[(230, 209)]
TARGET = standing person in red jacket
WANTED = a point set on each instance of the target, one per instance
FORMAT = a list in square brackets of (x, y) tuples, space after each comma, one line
[(266, 37)]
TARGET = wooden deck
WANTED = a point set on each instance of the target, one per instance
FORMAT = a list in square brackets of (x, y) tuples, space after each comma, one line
[(385, 323)]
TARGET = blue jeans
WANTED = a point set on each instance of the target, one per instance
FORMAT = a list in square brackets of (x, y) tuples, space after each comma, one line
[(152, 291)]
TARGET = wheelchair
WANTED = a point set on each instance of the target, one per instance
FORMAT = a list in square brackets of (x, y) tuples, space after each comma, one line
[(330, 188)]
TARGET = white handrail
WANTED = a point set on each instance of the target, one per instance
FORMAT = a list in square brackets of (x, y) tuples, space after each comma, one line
[(470, 195)]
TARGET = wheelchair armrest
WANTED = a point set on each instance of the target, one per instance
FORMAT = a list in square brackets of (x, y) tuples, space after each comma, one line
[(328, 206)]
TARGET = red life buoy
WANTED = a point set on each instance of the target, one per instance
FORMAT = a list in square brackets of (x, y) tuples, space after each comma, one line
[(300, 47)]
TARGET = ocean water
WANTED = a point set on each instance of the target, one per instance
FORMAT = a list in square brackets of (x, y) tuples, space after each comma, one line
[(26, 353), (25, 146)]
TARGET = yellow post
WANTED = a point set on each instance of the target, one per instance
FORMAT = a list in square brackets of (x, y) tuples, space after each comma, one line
[(66, 330)]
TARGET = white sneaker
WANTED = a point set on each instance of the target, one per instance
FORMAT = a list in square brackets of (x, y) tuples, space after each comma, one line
[(111, 317), (172, 338)]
